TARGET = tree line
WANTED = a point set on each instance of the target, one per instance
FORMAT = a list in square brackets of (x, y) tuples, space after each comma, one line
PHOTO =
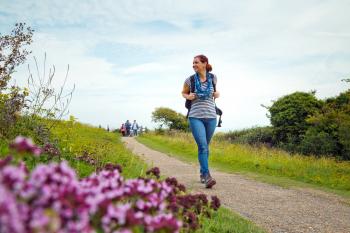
[(300, 123)]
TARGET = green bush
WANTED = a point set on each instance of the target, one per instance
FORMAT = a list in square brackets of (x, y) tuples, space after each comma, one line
[(330, 128), (251, 136), (170, 119), (318, 143), (344, 139), (289, 113)]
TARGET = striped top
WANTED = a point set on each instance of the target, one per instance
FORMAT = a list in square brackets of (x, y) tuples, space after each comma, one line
[(202, 108)]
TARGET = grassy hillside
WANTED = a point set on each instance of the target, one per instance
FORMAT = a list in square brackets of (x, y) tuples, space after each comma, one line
[(76, 139), (88, 148)]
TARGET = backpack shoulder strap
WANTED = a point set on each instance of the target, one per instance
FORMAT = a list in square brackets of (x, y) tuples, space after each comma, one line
[(212, 80), (192, 84)]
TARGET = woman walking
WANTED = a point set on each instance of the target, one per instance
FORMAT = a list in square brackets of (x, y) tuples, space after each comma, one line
[(202, 114)]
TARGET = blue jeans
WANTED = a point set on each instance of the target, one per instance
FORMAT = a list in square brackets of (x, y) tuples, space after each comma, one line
[(202, 131)]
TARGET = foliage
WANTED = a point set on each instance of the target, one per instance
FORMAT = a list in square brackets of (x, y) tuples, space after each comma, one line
[(51, 198), (12, 52), (288, 116), (38, 100), (88, 148), (170, 118), (11, 104), (225, 221), (316, 142), (251, 136), (329, 130)]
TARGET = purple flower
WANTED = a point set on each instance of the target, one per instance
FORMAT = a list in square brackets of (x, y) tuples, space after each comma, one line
[(115, 215), (163, 222), (11, 217), (172, 181), (192, 220), (13, 178), (5, 161), (111, 167), (22, 144), (51, 150), (51, 198), (215, 203), (154, 171)]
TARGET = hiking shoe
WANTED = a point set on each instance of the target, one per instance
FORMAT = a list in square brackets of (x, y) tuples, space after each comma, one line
[(202, 179), (209, 181)]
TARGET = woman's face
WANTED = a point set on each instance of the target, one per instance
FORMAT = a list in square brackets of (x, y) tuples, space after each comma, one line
[(198, 66)]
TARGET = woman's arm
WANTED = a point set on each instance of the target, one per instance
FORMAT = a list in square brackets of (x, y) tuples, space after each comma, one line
[(186, 93), (216, 94)]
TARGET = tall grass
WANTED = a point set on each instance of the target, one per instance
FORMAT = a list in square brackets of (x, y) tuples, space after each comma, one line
[(225, 221), (323, 172), (76, 139)]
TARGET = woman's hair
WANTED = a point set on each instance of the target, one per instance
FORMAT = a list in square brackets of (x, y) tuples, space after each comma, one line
[(203, 59)]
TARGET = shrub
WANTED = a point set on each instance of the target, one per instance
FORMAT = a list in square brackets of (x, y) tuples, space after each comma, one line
[(318, 143), (333, 123), (170, 118), (288, 116), (252, 136)]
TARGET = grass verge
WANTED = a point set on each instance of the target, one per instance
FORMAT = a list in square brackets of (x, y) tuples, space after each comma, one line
[(225, 221), (76, 139), (265, 164)]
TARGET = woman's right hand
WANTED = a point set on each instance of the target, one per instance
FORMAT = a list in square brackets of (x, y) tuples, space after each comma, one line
[(191, 96)]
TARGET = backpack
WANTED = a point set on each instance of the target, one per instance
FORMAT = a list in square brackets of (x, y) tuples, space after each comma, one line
[(188, 103)]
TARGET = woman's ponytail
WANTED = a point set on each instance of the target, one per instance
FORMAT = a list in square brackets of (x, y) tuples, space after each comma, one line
[(208, 67)]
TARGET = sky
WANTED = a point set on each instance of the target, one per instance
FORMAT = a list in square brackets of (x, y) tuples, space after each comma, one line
[(127, 58)]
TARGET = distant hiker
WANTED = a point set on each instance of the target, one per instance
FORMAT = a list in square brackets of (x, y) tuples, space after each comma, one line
[(123, 130), (128, 127), (134, 128), (202, 111)]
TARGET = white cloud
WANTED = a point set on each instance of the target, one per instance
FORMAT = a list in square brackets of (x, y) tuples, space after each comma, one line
[(259, 51)]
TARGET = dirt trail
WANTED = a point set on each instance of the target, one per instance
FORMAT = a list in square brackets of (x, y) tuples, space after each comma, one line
[(274, 208)]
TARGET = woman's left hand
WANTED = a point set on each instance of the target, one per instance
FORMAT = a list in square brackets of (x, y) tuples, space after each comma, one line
[(216, 94)]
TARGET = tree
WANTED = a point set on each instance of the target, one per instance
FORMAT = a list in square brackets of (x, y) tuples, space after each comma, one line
[(169, 118), (329, 130), (12, 54), (12, 51), (288, 115)]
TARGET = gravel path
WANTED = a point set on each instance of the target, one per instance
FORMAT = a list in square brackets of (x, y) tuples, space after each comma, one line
[(273, 208)]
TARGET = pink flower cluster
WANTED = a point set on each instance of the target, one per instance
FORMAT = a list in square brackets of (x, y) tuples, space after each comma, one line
[(51, 198), (23, 144), (51, 150), (87, 158)]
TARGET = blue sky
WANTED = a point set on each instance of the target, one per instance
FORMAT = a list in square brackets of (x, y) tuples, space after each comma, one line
[(128, 57)]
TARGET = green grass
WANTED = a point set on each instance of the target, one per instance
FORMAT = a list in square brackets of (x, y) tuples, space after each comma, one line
[(225, 221), (266, 164), (75, 139)]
